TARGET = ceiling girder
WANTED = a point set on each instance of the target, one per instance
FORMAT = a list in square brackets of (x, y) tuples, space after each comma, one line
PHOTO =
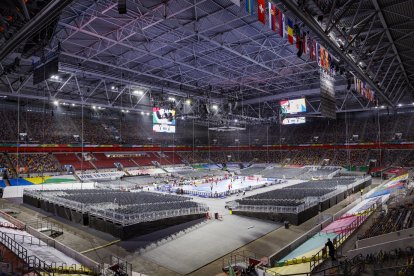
[(391, 40), (42, 19), (309, 21)]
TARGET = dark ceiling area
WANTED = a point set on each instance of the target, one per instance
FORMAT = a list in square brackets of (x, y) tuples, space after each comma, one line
[(209, 52)]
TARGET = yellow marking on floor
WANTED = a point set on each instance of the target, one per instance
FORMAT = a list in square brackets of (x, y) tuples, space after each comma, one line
[(99, 247)]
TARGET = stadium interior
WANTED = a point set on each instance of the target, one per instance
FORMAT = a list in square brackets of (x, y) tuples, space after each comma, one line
[(207, 137)]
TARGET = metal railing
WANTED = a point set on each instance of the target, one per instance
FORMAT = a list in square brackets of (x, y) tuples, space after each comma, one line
[(44, 225), (345, 232), (33, 262), (27, 239), (346, 267), (275, 209), (210, 194), (112, 215), (128, 219)]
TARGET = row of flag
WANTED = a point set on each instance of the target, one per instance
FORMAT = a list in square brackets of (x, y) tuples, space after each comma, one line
[(303, 40), (362, 89), (285, 27)]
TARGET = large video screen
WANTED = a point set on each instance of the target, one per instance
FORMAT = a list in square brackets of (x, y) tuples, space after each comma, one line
[(293, 106), (294, 121), (163, 120)]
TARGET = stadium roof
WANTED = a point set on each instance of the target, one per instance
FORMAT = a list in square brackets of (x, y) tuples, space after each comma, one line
[(211, 51)]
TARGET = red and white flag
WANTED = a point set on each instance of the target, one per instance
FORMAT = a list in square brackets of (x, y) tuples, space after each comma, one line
[(261, 10)]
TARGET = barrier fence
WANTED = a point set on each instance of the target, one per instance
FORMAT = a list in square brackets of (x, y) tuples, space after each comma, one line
[(310, 201), (33, 262), (273, 209), (128, 219), (123, 219)]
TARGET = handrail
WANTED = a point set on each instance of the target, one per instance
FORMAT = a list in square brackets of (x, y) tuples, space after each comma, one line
[(26, 239), (321, 255), (127, 219), (21, 252)]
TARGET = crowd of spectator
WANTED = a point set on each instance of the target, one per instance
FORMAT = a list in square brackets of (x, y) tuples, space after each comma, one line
[(5, 166), (34, 163), (54, 127), (340, 157), (391, 219)]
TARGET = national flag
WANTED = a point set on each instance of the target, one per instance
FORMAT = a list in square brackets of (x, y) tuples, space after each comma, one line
[(304, 42), (355, 83), (272, 17), (299, 44), (327, 60), (372, 95), (363, 91), (322, 57), (296, 30), (290, 31), (281, 21), (332, 64), (249, 6), (261, 11), (310, 47)]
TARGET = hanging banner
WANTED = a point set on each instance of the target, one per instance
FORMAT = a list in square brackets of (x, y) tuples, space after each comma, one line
[(328, 101)]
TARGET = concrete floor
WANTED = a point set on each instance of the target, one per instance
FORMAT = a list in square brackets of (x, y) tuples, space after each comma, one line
[(263, 240), (203, 245)]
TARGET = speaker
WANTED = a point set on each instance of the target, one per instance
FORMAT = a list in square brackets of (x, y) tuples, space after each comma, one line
[(122, 9)]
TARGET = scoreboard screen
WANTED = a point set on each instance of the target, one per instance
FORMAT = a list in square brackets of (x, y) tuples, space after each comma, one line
[(163, 120)]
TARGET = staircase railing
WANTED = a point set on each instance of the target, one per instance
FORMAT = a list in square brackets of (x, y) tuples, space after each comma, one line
[(33, 262), (344, 233)]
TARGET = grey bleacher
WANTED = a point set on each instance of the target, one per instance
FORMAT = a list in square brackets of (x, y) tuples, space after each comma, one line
[(145, 208), (297, 194), (299, 202), (118, 203), (292, 193), (320, 172), (272, 202), (323, 183), (129, 183), (122, 198), (282, 172), (200, 173), (140, 180), (251, 171)]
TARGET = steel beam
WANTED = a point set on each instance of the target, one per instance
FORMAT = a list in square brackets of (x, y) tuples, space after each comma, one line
[(159, 56), (172, 91), (77, 102), (310, 22), (42, 19), (391, 40), (288, 95)]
